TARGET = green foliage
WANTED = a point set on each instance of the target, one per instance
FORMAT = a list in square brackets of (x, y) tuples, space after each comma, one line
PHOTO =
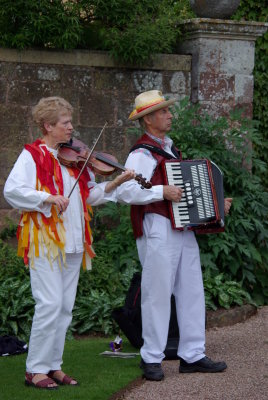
[(43, 23), (223, 293), (16, 303), (256, 11), (241, 251), (132, 31)]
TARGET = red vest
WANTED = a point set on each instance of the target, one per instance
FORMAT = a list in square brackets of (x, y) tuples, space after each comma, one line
[(159, 207)]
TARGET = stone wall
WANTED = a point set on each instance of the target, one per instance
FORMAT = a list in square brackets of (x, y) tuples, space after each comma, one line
[(99, 90)]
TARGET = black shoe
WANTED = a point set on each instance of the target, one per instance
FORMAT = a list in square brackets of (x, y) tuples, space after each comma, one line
[(152, 371), (203, 365)]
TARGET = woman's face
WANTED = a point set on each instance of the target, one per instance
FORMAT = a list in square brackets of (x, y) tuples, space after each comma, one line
[(61, 132)]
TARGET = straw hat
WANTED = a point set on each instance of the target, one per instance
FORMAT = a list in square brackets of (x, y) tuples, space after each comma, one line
[(148, 102)]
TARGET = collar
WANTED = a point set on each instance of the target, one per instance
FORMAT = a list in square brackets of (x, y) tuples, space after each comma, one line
[(53, 151), (166, 142)]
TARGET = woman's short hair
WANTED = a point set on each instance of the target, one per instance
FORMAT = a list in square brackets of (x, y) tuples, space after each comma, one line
[(49, 109)]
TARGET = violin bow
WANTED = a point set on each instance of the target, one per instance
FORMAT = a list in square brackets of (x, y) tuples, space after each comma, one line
[(85, 163)]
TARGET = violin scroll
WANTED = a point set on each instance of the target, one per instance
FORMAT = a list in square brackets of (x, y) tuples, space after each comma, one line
[(142, 181)]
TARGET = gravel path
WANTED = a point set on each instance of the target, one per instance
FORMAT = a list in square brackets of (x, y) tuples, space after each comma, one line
[(243, 346)]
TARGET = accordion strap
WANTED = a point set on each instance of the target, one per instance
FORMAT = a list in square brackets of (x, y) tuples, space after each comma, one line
[(157, 150)]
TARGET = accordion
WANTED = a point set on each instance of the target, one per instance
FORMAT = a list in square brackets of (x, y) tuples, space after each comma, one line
[(202, 204)]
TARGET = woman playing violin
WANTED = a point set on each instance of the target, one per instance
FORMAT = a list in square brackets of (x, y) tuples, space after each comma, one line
[(54, 235)]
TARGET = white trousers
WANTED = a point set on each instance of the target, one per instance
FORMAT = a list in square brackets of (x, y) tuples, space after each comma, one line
[(170, 265), (54, 292)]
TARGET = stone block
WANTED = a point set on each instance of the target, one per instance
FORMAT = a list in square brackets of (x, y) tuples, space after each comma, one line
[(147, 80), (8, 215), (3, 90), (237, 57), (113, 80), (7, 69), (25, 72), (77, 79), (48, 74), (95, 109), (180, 84), (29, 92), (13, 125), (217, 108), (215, 87), (209, 53), (88, 136), (115, 143), (244, 89)]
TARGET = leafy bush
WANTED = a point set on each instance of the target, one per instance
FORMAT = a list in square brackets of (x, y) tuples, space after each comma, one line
[(16, 303), (43, 23), (133, 31), (241, 251), (219, 292), (123, 27)]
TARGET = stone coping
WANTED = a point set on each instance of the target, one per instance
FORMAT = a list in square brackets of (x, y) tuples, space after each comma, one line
[(87, 58), (221, 28)]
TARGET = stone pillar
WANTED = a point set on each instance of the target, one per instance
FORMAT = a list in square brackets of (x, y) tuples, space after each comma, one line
[(222, 62)]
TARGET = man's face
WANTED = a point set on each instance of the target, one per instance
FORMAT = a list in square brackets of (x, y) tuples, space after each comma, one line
[(159, 122)]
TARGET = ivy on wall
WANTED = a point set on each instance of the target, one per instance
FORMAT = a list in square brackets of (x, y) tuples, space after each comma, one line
[(252, 10)]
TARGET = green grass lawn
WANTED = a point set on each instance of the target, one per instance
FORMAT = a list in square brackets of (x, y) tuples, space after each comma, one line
[(99, 376)]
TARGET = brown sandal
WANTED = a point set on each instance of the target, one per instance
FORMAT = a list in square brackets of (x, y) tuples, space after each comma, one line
[(43, 384), (65, 381)]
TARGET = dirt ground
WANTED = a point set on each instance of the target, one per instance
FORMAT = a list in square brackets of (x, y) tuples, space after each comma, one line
[(244, 347)]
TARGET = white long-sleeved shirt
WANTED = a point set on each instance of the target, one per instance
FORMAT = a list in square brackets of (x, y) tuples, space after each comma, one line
[(143, 162), (20, 192)]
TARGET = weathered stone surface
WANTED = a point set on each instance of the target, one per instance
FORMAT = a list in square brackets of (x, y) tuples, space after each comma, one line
[(222, 62), (147, 80), (3, 90), (28, 93), (7, 216), (244, 89), (216, 87)]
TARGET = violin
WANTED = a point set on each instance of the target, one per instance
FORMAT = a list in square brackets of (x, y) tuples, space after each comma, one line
[(74, 154)]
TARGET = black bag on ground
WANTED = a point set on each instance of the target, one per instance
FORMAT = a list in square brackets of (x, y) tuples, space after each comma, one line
[(128, 318), (11, 345)]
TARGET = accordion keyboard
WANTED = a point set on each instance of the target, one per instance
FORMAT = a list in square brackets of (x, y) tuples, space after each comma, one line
[(196, 205)]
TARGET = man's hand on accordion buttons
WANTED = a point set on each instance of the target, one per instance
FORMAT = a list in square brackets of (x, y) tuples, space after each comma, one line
[(172, 193), (227, 205)]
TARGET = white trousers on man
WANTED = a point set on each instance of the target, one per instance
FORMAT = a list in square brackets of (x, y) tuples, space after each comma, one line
[(170, 265), (54, 292)]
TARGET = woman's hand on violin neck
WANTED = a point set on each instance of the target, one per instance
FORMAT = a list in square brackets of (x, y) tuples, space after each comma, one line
[(60, 201), (124, 177)]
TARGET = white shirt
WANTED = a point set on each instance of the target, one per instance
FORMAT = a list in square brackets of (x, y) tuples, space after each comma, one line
[(20, 192), (143, 162)]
